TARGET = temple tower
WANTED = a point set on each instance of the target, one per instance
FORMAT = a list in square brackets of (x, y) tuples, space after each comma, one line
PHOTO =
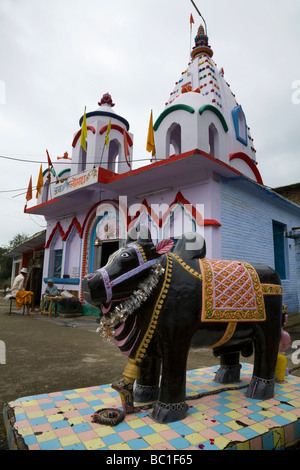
[(109, 143), (203, 113)]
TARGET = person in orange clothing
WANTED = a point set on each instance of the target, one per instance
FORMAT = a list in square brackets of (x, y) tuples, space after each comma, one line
[(22, 296)]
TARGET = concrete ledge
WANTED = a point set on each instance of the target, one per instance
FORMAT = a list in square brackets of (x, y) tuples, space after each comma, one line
[(225, 420)]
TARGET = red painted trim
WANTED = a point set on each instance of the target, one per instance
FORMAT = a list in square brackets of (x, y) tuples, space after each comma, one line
[(249, 162), (89, 128), (104, 175), (27, 211), (75, 224), (181, 200), (119, 129), (61, 231), (182, 156)]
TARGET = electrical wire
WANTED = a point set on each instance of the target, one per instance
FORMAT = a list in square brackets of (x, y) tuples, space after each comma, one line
[(64, 162), (46, 163)]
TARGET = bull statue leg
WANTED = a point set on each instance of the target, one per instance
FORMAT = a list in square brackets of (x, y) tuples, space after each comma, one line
[(147, 386), (266, 340), (230, 368), (171, 405)]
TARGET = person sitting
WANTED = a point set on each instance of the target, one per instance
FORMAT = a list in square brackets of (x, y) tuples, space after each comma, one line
[(51, 291), (22, 296)]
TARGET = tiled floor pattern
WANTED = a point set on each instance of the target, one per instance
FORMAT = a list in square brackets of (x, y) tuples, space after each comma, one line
[(227, 420)]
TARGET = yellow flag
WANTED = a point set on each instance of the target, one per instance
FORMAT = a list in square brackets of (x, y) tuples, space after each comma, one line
[(107, 133), (39, 183), (83, 132), (150, 140)]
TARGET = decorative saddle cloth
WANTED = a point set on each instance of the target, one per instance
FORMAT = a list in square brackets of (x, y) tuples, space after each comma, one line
[(232, 291)]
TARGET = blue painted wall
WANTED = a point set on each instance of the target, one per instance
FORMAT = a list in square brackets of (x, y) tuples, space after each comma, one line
[(247, 214)]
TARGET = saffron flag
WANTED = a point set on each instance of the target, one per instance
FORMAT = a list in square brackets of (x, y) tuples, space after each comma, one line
[(126, 149), (39, 183), (191, 20), (150, 140), (83, 132), (107, 133), (29, 190)]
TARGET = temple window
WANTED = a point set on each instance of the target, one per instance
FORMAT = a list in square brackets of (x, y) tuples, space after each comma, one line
[(213, 138), (280, 249), (240, 125), (173, 140), (113, 156), (82, 159), (45, 191), (55, 257)]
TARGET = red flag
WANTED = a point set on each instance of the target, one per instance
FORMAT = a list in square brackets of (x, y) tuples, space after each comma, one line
[(50, 166), (191, 20), (49, 160), (126, 149)]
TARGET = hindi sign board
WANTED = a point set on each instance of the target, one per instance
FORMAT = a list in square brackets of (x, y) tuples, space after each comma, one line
[(86, 178)]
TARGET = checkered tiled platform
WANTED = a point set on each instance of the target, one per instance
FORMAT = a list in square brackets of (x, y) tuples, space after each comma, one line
[(227, 420)]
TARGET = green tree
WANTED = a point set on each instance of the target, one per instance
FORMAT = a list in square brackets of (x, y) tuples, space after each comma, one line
[(6, 261), (17, 239), (5, 268)]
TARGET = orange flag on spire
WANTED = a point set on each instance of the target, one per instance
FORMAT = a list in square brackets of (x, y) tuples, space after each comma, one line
[(191, 20)]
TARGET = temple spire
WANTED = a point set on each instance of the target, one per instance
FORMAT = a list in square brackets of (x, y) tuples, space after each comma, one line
[(201, 44)]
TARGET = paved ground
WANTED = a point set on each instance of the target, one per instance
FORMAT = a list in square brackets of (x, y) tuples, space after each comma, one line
[(55, 354)]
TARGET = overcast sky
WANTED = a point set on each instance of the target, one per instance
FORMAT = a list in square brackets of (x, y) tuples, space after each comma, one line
[(59, 56)]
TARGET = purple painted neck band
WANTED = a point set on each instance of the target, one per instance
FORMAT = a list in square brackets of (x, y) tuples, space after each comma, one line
[(108, 284)]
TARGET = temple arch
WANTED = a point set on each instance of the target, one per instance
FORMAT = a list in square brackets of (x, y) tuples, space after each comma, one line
[(213, 138), (114, 152), (173, 140)]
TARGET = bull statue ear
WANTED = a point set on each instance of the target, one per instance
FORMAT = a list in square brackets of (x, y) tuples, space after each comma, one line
[(164, 246), (139, 233)]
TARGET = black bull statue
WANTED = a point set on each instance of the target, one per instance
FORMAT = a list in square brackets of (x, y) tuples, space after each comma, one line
[(152, 304)]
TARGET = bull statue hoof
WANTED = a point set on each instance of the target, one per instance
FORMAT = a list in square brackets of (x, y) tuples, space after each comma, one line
[(146, 393), (164, 413), (228, 374), (260, 389)]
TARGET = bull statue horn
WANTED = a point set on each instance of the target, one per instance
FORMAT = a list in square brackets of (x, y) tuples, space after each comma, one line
[(139, 232)]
